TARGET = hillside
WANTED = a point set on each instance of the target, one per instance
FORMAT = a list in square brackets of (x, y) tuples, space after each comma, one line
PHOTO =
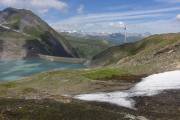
[(118, 38), (23, 34), (87, 47), (157, 52)]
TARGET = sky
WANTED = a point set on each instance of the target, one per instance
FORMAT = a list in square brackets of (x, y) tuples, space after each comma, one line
[(139, 16)]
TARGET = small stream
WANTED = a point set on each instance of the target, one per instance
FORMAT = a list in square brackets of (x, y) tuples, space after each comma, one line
[(149, 86), (17, 69)]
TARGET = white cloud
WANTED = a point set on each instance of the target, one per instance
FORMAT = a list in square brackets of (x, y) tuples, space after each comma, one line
[(107, 22), (80, 9), (38, 6), (178, 17), (119, 24), (100, 17)]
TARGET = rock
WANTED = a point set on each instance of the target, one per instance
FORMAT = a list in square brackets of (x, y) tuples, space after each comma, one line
[(141, 118), (130, 117)]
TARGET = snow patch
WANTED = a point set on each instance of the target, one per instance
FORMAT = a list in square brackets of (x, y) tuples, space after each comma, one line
[(158, 82), (118, 98), (17, 31), (149, 86)]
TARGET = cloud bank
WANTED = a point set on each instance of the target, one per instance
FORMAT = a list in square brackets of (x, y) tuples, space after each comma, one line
[(38, 6)]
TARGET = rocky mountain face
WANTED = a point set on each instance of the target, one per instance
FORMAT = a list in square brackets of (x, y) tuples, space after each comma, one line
[(156, 53), (24, 35)]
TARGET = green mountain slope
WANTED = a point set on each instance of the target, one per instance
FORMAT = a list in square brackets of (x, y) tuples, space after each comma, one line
[(155, 52), (44, 40), (87, 47)]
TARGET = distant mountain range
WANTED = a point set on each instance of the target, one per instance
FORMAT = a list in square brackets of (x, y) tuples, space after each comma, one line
[(114, 38)]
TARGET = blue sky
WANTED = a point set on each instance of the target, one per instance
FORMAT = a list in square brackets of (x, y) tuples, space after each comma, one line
[(140, 16)]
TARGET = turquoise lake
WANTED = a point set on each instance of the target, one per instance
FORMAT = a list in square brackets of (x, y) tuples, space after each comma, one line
[(14, 70)]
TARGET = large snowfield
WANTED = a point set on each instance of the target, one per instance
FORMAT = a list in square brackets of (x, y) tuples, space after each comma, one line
[(149, 86)]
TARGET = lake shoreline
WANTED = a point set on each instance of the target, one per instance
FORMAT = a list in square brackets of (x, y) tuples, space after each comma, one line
[(20, 69)]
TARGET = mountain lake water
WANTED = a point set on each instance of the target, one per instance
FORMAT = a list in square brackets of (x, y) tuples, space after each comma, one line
[(18, 69)]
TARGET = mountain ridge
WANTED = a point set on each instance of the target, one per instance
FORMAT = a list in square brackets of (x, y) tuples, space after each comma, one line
[(155, 53), (44, 39)]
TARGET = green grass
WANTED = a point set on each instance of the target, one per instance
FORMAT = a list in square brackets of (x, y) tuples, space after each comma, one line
[(105, 73), (29, 90), (60, 82), (8, 85), (14, 22), (134, 51), (33, 32)]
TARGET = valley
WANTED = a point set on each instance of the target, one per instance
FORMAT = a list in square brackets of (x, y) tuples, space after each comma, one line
[(46, 74)]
